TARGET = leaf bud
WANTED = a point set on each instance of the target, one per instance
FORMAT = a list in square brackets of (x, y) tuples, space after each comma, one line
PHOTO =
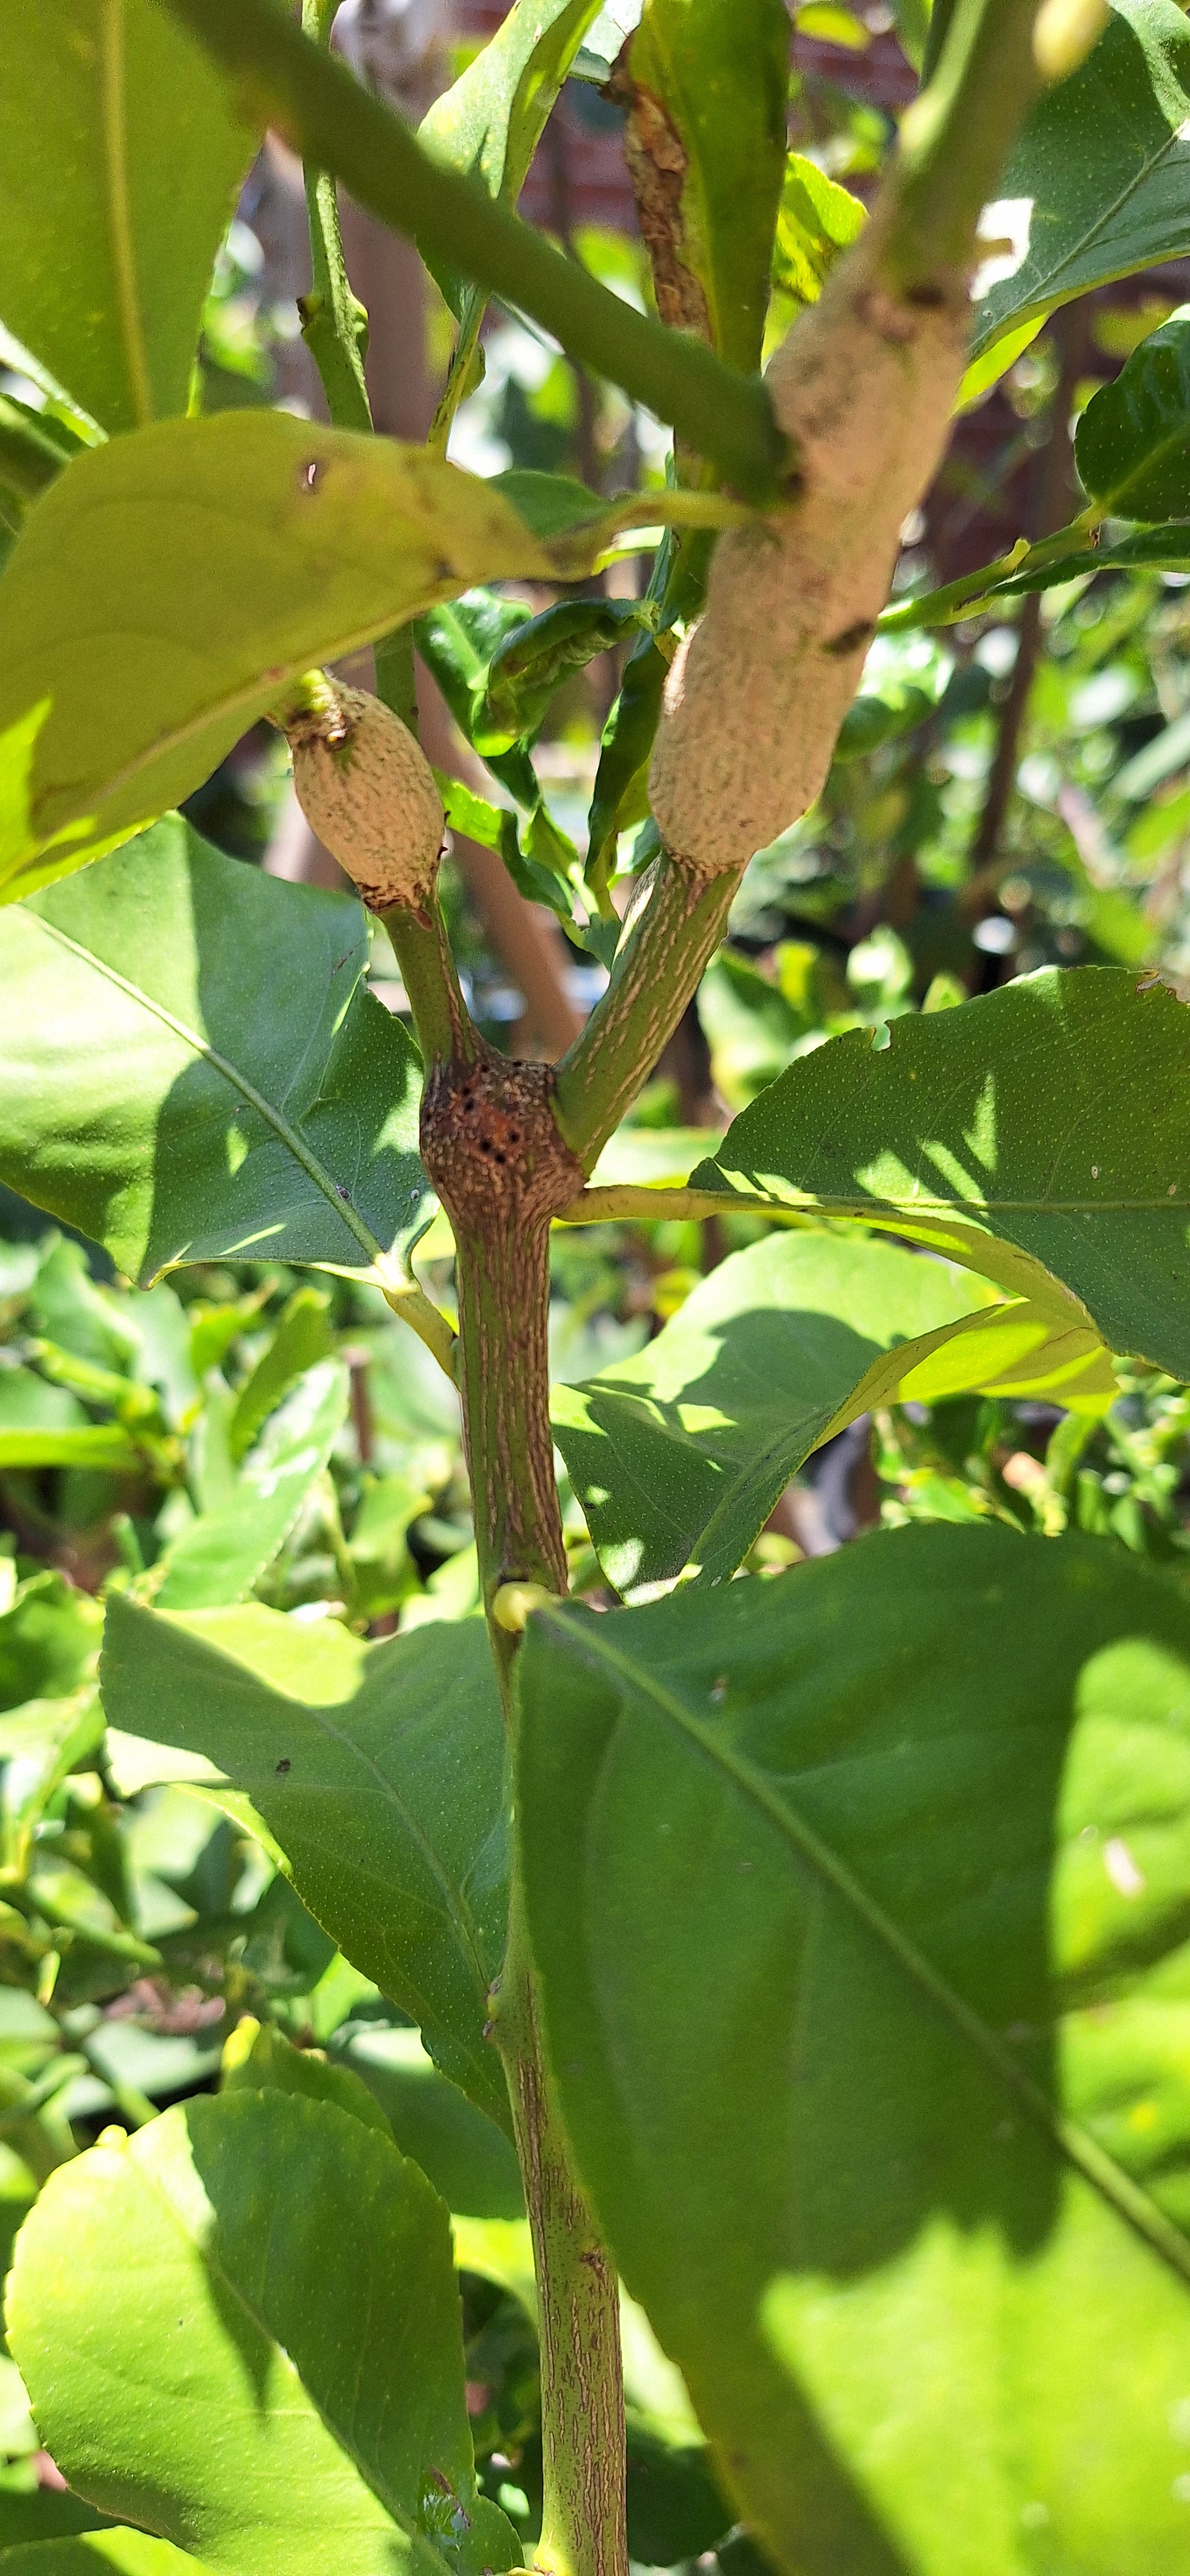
[(515, 1603), (367, 789)]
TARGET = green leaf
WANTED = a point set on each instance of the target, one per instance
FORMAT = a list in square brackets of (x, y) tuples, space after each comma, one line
[(172, 584), (578, 526), (706, 88), (679, 1454), (225, 1551), (495, 828), (48, 1640), (675, 2507), (459, 642), (817, 220), (302, 1338), (43, 2514), (41, 1743), (902, 688), (258, 2058), (1040, 1129), (93, 2553), (191, 1067), (1074, 553), (857, 1898), (169, 586), (122, 153), (470, 2161), (34, 447), (242, 2327), (378, 1770), (489, 123), (99, 1445), (620, 796), (1096, 186), (1132, 444), (534, 661)]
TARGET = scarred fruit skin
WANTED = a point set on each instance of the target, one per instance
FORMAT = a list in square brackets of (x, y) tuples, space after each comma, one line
[(367, 789)]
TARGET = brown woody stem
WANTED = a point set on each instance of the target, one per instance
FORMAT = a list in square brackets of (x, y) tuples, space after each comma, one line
[(491, 1144)]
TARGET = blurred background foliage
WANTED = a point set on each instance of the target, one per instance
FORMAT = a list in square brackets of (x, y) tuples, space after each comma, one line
[(1009, 792)]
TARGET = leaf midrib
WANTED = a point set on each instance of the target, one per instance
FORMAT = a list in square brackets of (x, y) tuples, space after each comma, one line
[(114, 107), (1073, 2142), (287, 1135)]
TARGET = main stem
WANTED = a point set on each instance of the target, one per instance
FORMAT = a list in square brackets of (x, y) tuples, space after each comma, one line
[(492, 1146), (503, 1283)]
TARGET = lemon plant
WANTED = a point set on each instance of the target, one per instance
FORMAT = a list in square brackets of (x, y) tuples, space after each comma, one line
[(809, 1953)]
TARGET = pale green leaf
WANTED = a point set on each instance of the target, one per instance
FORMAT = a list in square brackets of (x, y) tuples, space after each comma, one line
[(101, 1445), (122, 153), (679, 1454), (190, 1066), (259, 2059), (302, 1337), (241, 2326), (379, 1772), (171, 586), (490, 121), (225, 1551), (99, 2553), (1040, 1129), (858, 1900)]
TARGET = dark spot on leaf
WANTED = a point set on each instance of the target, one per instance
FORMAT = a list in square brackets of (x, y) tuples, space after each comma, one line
[(284, 1764)]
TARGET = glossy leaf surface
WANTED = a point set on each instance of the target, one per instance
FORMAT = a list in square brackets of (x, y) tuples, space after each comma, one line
[(242, 2327), (1044, 1121), (1097, 183), (190, 1065), (121, 158), (379, 1772), (679, 1454), (858, 1901), (1132, 445)]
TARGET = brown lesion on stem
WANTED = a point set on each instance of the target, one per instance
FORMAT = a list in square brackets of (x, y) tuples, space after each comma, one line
[(657, 165)]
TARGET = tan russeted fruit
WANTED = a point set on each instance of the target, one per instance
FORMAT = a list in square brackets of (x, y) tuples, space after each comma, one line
[(367, 789)]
